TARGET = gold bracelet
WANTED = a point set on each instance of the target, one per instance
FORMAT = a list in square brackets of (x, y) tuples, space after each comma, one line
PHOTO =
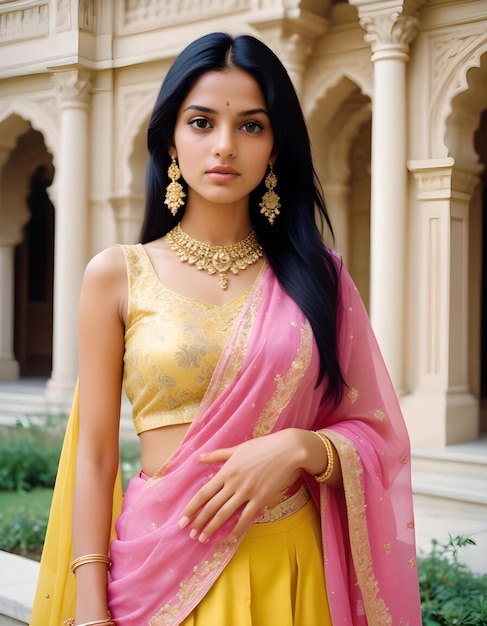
[(327, 472), (100, 622), (90, 558)]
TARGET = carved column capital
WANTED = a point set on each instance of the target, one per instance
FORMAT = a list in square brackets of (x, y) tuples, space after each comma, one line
[(392, 31), (73, 88), (389, 26), (293, 36)]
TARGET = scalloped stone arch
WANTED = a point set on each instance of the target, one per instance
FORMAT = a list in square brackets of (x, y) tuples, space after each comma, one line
[(134, 125), (39, 120), (449, 105), (340, 132), (328, 81)]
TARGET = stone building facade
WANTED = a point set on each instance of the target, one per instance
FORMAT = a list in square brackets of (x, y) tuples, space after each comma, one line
[(395, 94)]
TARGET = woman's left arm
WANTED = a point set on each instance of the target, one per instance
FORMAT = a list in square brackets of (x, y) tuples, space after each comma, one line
[(254, 475)]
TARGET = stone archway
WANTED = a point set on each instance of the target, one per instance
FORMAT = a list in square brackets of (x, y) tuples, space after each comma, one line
[(23, 152), (34, 273), (479, 226), (340, 127), (466, 141)]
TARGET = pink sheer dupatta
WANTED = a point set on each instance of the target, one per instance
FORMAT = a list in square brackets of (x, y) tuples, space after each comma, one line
[(265, 381), (368, 528)]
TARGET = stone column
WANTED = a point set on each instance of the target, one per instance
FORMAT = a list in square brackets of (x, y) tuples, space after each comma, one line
[(389, 33), (10, 236), (71, 226), (441, 410), (9, 367)]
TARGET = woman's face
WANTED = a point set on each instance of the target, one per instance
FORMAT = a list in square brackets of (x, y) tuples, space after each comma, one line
[(223, 138)]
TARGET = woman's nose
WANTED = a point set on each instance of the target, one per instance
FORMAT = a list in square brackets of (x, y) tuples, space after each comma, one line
[(224, 145)]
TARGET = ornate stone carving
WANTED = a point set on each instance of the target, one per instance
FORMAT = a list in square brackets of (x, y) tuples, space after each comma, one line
[(63, 15), (87, 15), (445, 50), (294, 35), (72, 86), (139, 16), (389, 24), (443, 179), (24, 23), (395, 29)]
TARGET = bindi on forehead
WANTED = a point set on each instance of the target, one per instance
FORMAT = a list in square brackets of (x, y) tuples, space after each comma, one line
[(227, 104)]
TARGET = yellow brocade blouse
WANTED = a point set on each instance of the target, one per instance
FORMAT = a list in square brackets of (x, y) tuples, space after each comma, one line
[(172, 345)]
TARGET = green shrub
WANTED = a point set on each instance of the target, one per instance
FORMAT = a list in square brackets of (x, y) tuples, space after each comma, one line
[(28, 460), (129, 460), (29, 456), (23, 520), (451, 594)]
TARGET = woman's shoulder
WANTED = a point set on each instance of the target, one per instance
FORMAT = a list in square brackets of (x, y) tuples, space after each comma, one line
[(107, 265)]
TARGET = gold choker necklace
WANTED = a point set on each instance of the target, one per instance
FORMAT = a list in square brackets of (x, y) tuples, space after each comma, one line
[(215, 259)]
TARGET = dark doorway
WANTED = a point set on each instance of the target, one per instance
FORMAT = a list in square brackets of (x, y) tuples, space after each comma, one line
[(481, 148), (34, 272)]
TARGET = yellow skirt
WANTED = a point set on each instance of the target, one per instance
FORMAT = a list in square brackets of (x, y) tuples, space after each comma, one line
[(275, 578)]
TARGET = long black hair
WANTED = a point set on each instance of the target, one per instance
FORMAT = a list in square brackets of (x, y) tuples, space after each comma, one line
[(293, 245)]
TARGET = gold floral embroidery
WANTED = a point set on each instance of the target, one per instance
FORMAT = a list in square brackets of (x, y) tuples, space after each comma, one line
[(376, 609), (230, 362), (387, 548), (352, 395), (380, 415), (190, 588), (236, 350), (285, 507), (166, 374), (286, 385), (404, 460), (410, 525), (412, 563)]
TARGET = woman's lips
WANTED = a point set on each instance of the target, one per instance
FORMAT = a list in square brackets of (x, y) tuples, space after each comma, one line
[(222, 173)]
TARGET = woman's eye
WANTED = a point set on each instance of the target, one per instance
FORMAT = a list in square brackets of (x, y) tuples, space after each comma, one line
[(252, 127), (201, 123)]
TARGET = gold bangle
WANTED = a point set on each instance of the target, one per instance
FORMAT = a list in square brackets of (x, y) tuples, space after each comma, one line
[(327, 472), (100, 622), (90, 558)]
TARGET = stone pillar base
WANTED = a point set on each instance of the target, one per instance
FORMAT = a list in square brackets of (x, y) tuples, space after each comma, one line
[(60, 389), (437, 419), (9, 369)]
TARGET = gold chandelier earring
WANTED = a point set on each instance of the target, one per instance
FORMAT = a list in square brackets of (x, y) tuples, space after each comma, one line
[(270, 204), (174, 191)]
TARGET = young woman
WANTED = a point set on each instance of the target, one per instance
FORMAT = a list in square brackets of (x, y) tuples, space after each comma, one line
[(275, 483)]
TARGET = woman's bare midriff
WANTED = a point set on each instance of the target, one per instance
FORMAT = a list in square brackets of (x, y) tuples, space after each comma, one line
[(159, 444)]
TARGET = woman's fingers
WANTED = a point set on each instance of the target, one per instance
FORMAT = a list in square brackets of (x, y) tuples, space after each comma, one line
[(212, 518), (253, 475), (217, 456)]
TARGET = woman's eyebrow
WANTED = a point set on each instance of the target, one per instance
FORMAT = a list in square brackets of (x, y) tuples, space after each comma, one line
[(252, 112), (199, 107)]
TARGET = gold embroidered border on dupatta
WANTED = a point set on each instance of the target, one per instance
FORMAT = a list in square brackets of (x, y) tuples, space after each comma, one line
[(376, 609), (285, 389), (286, 385)]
